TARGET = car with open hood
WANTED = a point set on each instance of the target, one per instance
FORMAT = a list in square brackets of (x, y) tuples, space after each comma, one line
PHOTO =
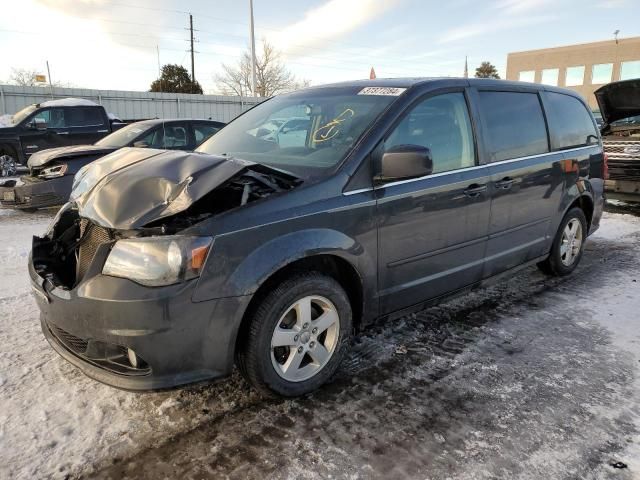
[(619, 104), (265, 251), (51, 171)]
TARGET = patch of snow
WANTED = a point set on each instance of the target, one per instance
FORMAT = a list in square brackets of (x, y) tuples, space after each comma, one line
[(6, 121), (617, 226), (69, 102)]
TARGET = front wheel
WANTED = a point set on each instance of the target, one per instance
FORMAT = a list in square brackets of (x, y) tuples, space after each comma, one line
[(8, 167), (568, 245), (297, 336)]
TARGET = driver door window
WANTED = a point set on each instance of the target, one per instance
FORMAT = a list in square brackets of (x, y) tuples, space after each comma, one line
[(57, 118), (441, 124)]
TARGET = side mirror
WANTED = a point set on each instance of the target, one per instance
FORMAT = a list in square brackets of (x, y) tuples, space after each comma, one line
[(403, 162), (40, 123), (141, 144)]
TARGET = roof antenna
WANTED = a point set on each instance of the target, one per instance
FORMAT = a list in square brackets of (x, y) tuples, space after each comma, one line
[(615, 35)]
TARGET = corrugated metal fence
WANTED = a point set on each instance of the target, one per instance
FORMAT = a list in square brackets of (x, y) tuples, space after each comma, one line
[(132, 105)]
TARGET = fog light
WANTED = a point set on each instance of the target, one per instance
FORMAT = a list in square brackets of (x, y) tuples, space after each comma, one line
[(133, 358)]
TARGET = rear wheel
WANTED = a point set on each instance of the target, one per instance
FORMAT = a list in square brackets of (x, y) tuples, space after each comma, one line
[(568, 245), (297, 336)]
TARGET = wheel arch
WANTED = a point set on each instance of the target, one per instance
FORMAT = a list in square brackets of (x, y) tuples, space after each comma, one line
[(330, 264), (585, 203), (9, 149)]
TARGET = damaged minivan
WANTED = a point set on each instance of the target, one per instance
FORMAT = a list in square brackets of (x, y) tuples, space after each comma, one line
[(267, 247)]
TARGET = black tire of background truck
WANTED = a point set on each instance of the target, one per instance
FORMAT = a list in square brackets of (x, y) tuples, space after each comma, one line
[(553, 264), (254, 353)]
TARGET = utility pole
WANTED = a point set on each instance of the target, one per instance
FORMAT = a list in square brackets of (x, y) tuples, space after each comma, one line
[(193, 68), (50, 82), (253, 52)]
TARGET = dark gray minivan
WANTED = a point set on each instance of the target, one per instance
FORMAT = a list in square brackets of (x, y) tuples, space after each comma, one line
[(307, 217)]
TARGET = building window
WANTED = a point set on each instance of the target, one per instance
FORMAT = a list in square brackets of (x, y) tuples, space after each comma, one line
[(601, 73), (575, 76), (629, 70), (527, 76), (550, 76)]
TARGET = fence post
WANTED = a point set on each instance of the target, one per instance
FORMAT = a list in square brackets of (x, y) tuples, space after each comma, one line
[(4, 105), (178, 100)]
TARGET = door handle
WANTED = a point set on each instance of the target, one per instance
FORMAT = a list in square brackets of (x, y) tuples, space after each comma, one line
[(474, 190), (505, 183), (62, 133)]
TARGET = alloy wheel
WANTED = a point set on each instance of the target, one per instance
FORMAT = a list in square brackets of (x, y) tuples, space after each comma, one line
[(7, 166), (571, 242), (305, 338)]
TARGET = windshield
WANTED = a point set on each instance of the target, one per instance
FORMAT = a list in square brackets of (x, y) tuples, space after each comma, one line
[(124, 136), (307, 133), (22, 114)]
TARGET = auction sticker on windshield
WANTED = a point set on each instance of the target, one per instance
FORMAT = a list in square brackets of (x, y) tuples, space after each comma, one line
[(389, 91)]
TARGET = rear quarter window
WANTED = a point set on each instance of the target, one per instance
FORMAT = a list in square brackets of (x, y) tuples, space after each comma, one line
[(570, 124), (513, 125), (84, 117)]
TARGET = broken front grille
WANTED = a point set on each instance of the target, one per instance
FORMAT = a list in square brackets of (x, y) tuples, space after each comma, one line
[(623, 159), (92, 236), (73, 343)]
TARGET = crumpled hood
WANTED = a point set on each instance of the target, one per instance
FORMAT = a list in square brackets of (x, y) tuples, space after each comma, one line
[(132, 187), (43, 157), (619, 100)]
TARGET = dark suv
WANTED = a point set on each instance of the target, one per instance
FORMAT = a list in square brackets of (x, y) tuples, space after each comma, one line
[(391, 195)]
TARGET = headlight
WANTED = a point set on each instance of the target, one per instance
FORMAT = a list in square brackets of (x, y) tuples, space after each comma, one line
[(155, 261), (80, 183), (53, 172)]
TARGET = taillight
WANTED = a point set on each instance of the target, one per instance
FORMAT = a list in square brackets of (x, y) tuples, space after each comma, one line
[(605, 166)]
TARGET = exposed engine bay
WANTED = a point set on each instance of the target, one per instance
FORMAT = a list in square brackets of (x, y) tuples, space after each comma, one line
[(81, 235)]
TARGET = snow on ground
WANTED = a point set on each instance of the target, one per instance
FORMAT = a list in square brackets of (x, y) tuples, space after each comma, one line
[(532, 378)]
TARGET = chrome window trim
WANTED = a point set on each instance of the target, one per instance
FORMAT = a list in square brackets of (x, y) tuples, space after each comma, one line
[(466, 169)]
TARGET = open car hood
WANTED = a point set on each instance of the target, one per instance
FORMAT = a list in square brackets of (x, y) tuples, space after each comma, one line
[(133, 187), (619, 100), (43, 157)]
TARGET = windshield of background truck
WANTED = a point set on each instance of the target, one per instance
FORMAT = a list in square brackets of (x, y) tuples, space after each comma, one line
[(307, 132), (22, 114)]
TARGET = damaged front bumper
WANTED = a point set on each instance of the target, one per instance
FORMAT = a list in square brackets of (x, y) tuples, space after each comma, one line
[(125, 334), (35, 193)]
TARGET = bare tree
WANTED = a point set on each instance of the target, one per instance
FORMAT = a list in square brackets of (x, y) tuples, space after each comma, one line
[(272, 77), (23, 77), (26, 77)]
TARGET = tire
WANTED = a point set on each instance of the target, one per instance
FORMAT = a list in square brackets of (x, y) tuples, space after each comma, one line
[(565, 256), (280, 318)]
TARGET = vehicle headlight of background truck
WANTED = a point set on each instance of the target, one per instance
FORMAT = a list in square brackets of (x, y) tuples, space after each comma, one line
[(157, 261)]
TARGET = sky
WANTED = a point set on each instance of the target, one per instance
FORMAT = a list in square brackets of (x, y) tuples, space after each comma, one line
[(114, 44)]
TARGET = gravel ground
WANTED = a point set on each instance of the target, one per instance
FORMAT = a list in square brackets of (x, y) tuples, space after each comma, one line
[(531, 378)]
